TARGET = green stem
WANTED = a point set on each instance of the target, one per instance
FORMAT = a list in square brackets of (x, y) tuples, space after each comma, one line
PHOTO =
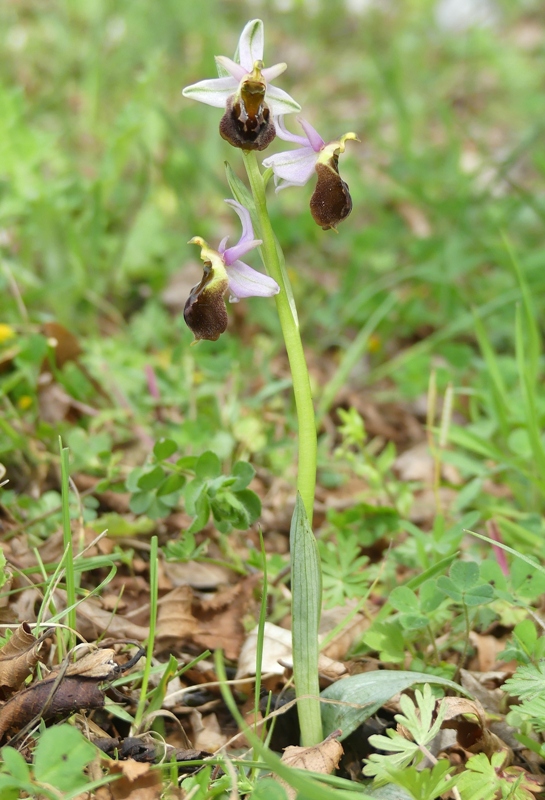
[(306, 472), (305, 568)]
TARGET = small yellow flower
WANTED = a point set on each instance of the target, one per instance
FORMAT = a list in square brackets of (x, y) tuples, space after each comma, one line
[(6, 332), (24, 402)]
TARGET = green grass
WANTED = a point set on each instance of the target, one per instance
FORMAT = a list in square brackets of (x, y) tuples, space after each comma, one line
[(106, 172)]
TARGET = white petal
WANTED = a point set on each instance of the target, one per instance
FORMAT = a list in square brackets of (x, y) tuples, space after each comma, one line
[(228, 67), (250, 44), (247, 282), (292, 167), (280, 101), (213, 92)]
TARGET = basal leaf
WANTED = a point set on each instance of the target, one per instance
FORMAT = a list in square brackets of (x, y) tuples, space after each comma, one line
[(368, 692)]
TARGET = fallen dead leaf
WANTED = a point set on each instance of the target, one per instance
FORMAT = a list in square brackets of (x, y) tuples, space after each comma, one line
[(207, 732), (138, 781), (65, 690), (174, 619), (94, 621), (473, 736), (220, 617), (18, 657), (323, 757)]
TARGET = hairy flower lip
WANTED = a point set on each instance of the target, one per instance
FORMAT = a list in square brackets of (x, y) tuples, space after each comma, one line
[(330, 202), (217, 91)]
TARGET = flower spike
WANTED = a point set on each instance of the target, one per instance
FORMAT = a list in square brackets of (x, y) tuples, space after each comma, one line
[(331, 201), (205, 313), (245, 92)]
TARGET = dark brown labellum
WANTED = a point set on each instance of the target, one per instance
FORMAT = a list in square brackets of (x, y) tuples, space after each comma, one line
[(331, 201), (205, 313), (247, 122)]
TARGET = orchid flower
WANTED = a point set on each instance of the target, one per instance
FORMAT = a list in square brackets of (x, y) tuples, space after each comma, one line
[(245, 92), (331, 201), (205, 313)]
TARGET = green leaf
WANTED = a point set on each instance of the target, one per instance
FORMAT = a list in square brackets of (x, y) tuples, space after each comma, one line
[(61, 755), (425, 784), (306, 588), (193, 491), (164, 448), (243, 472), (171, 485), (404, 599), (202, 509), (151, 480), (251, 503), (15, 764), (208, 466), (368, 692), (464, 575), (527, 682), (140, 502), (479, 595), (240, 192), (187, 463), (268, 789)]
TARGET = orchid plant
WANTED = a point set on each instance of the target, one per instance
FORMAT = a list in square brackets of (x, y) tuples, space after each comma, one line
[(253, 115)]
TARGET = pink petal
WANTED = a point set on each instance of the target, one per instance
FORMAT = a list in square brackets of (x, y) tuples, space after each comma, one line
[(231, 67), (283, 133), (316, 141), (270, 73), (245, 220), (237, 250)]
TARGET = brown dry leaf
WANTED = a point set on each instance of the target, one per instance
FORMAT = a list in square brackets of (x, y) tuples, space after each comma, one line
[(207, 732), (43, 700), (474, 737), (18, 657), (205, 577), (488, 649), (96, 664), (93, 621), (220, 618), (351, 631), (485, 687), (139, 782), (76, 688), (323, 757), (174, 619)]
